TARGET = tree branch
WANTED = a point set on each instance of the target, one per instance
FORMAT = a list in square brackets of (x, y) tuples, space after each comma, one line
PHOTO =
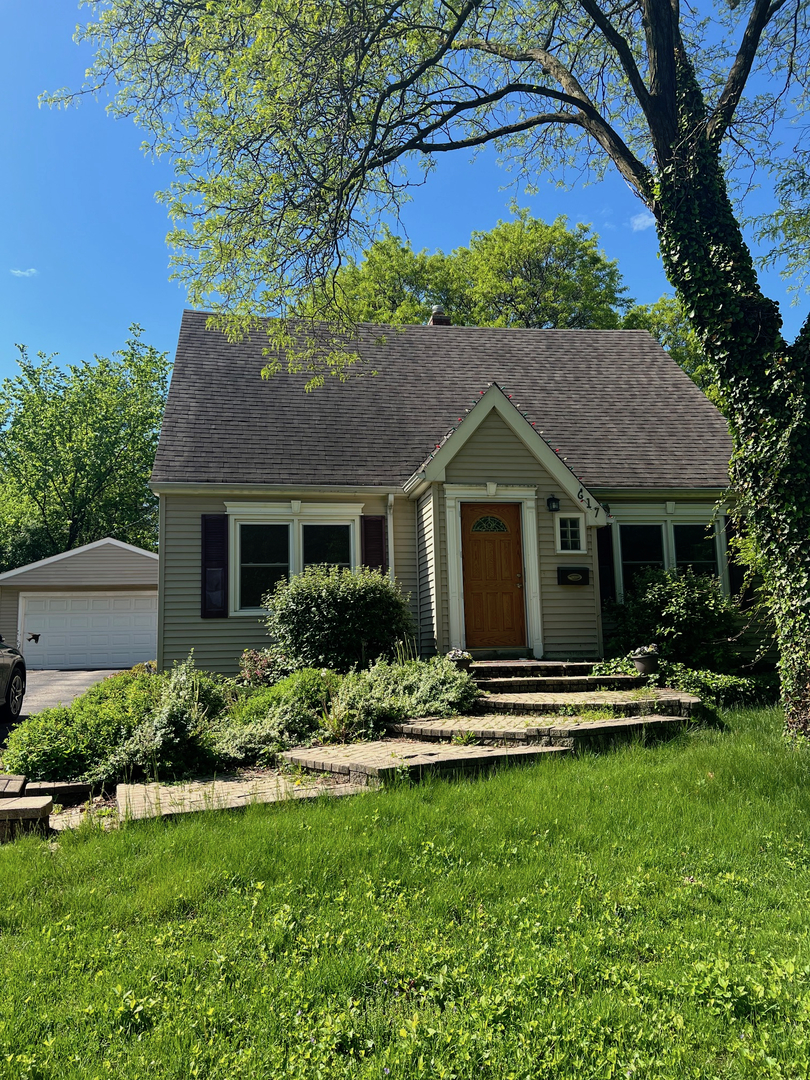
[(761, 14)]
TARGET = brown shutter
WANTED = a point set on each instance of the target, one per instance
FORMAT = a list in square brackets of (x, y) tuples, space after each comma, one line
[(373, 546), (214, 586)]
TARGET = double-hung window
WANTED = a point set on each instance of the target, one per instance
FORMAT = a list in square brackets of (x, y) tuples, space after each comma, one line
[(664, 545), (269, 542)]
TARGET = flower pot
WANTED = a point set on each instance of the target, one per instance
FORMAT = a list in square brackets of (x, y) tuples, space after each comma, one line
[(463, 664), (646, 665)]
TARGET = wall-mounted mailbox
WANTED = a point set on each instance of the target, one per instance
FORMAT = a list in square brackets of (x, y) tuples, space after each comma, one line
[(573, 575)]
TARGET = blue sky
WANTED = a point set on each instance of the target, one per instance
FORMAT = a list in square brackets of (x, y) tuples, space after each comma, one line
[(82, 248)]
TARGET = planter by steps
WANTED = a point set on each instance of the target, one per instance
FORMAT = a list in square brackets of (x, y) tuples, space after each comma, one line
[(646, 665)]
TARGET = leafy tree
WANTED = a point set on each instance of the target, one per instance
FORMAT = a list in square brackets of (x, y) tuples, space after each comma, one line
[(76, 451), (521, 273), (293, 124)]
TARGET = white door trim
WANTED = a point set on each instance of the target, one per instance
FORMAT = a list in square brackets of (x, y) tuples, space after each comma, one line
[(455, 495)]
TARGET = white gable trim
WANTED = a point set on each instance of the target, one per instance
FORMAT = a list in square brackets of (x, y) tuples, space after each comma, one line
[(494, 399), (77, 551)]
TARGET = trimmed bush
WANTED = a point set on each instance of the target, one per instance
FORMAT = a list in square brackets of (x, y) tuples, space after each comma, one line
[(685, 614), (338, 618)]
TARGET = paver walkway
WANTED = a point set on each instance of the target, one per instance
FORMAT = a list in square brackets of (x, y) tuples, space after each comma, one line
[(136, 801), (386, 758)]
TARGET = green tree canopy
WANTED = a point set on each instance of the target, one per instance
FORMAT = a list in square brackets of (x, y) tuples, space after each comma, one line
[(521, 273), (295, 124), (76, 451)]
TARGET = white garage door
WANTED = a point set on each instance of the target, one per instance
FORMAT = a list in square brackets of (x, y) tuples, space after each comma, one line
[(88, 630)]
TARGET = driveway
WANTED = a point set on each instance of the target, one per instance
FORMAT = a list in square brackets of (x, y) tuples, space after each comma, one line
[(48, 688)]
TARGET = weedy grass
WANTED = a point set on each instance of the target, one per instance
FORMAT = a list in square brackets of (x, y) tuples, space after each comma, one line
[(642, 913)]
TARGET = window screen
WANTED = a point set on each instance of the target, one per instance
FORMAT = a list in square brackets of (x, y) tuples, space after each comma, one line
[(695, 547), (329, 544), (642, 549), (570, 534), (264, 559)]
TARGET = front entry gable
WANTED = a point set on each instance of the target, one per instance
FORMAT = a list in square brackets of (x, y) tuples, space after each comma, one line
[(487, 434)]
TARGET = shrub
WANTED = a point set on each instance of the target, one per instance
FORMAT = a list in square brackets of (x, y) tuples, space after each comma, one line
[(338, 618), (173, 739), (686, 614), (385, 692), (67, 742), (718, 690), (263, 667)]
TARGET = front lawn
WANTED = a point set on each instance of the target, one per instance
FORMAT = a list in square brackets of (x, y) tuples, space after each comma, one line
[(638, 914)]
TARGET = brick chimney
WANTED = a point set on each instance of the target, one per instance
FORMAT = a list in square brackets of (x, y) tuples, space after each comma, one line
[(438, 317)]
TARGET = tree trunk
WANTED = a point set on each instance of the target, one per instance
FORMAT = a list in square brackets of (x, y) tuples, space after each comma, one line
[(762, 379)]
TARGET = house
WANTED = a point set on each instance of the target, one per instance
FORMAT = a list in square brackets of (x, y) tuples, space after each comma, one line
[(92, 607), (512, 480)]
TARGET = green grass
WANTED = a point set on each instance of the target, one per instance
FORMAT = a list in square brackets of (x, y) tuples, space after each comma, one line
[(639, 914)]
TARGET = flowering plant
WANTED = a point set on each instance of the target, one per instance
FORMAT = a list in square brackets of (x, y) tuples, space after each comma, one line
[(644, 650), (459, 654)]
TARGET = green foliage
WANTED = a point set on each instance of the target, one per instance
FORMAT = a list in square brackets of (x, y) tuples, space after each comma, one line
[(521, 273), (336, 618), (718, 690), (685, 614), (76, 452), (389, 692), (641, 913), (68, 742)]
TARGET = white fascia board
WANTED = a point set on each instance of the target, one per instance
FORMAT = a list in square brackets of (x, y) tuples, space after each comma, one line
[(494, 399), (77, 551)]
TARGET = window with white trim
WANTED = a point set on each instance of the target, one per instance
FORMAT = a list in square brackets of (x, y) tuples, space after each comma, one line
[(664, 545), (571, 536), (269, 542)]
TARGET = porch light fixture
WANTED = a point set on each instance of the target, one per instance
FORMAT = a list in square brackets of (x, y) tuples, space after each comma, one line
[(553, 504)]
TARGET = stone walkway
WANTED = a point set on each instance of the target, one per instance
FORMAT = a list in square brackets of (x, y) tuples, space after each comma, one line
[(137, 801), (370, 762)]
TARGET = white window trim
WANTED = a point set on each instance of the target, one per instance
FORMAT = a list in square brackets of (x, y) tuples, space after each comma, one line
[(583, 536), (454, 495), (294, 514), (667, 525)]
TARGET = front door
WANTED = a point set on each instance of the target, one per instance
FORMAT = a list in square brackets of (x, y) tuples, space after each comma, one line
[(492, 563)]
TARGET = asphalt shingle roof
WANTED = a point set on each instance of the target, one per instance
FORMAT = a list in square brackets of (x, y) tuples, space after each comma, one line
[(617, 407)]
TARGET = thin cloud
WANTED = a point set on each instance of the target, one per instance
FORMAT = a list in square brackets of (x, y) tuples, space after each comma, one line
[(24, 273), (640, 222)]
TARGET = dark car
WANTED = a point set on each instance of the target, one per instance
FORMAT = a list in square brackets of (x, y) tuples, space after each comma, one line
[(12, 681)]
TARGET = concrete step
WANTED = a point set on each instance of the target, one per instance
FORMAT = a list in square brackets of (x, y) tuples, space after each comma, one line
[(385, 759), (25, 814), (517, 684), (621, 702), (11, 787), (508, 669), (574, 732)]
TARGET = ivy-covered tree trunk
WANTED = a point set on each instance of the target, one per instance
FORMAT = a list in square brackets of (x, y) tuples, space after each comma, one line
[(763, 381)]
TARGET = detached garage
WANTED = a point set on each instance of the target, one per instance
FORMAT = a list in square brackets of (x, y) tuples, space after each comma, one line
[(93, 607)]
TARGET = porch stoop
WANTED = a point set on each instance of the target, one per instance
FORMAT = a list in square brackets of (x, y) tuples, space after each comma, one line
[(530, 709)]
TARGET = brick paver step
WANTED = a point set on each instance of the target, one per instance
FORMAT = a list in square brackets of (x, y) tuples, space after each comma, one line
[(537, 729), (11, 787), (387, 758), (623, 702), (65, 792), (24, 814), (545, 684), (492, 669), (137, 801)]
